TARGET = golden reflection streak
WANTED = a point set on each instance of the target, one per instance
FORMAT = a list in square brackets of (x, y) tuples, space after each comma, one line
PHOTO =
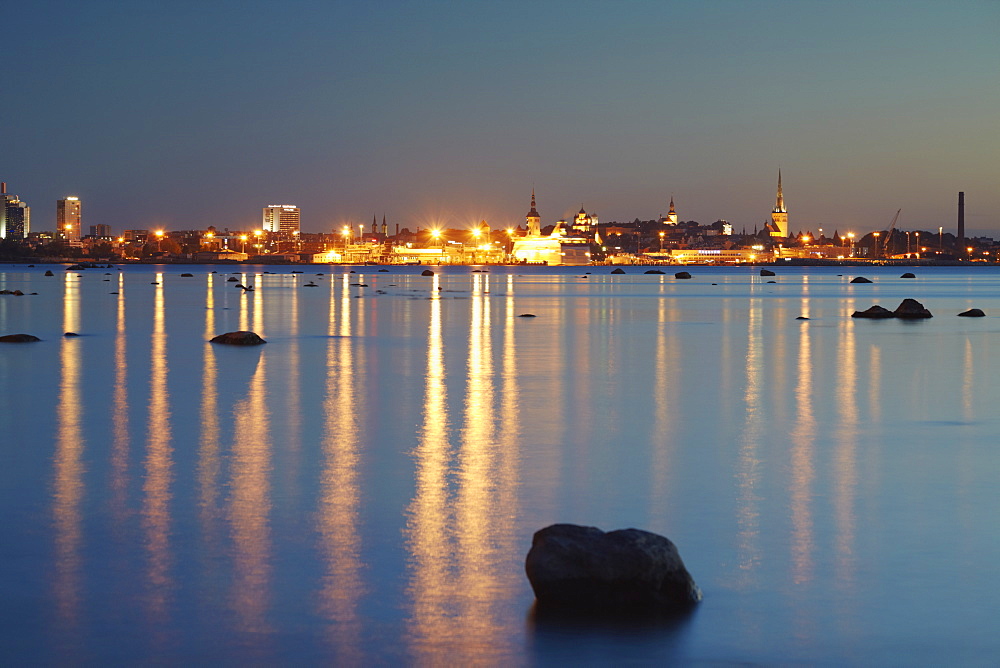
[(342, 586), (430, 541), (119, 417), (748, 464), (664, 447), (845, 457), (209, 465), (875, 384), (968, 383), (156, 487), (258, 306), (68, 465), (293, 411), (250, 505), (803, 465), (483, 526)]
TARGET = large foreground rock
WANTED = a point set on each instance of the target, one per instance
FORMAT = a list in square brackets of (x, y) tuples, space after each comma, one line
[(911, 309), (19, 338), (239, 339), (631, 570)]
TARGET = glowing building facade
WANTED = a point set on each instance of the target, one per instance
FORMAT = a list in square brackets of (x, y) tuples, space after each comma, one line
[(778, 226), (68, 218), (15, 216), (283, 218), (554, 249)]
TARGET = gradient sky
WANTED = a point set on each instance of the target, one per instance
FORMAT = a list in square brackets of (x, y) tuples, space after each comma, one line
[(188, 114)]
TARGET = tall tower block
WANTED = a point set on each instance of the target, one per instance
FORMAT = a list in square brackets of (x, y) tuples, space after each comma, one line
[(779, 216), (960, 243), (533, 220), (69, 222)]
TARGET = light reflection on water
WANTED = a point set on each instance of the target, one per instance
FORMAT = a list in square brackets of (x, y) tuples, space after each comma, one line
[(363, 488)]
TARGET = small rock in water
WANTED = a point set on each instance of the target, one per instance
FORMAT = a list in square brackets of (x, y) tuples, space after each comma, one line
[(682, 274), (232, 279), (972, 313), (652, 271), (618, 270), (527, 315), (427, 272), (70, 334), (876, 312), (241, 338), (187, 275), (629, 570), (48, 272), (908, 275), (19, 338), (766, 272), (802, 317), (860, 279)]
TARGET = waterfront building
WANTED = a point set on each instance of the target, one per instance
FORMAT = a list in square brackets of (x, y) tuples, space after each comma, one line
[(281, 218), (555, 249), (15, 216), (778, 227), (68, 218), (100, 231)]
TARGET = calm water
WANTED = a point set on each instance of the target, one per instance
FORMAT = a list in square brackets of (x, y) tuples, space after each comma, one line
[(363, 489)]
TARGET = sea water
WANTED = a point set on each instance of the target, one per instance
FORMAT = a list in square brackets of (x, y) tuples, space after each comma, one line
[(363, 488)]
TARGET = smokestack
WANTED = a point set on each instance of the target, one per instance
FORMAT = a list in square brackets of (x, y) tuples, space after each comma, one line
[(961, 224), (3, 187)]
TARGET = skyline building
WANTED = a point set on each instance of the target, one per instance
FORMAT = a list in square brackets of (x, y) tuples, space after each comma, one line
[(584, 222), (283, 218), (15, 216), (69, 218), (779, 215)]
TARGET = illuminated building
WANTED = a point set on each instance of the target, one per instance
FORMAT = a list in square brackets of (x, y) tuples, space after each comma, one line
[(778, 227), (15, 216), (584, 222), (554, 249), (68, 218), (671, 217), (100, 231), (283, 218)]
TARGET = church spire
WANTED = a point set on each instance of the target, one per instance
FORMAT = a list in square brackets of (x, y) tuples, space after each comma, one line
[(779, 204), (533, 219), (672, 204)]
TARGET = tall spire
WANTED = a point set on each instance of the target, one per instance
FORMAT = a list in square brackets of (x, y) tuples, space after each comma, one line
[(533, 219), (779, 205), (672, 204)]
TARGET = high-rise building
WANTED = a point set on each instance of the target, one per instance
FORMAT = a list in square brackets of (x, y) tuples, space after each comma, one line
[(68, 219), (283, 218), (15, 216), (100, 231), (779, 216)]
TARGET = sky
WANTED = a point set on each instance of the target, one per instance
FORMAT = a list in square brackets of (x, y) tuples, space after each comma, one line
[(180, 115)]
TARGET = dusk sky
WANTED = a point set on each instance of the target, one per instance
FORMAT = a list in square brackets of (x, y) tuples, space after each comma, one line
[(183, 115)]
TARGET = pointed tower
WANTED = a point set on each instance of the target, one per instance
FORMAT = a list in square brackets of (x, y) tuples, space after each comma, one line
[(671, 218), (779, 216), (383, 225), (533, 219)]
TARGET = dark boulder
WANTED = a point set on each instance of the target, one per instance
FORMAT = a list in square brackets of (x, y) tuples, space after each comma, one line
[(908, 275), (239, 339), (187, 275), (766, 272), (772, 281), (682, 274), (571, 566), (652, 271), (381, 271), (874, 312), (911, 309), (48, 272), (19, 338), (860, 279), (972, 313), (802, 317), (618, 270), (427, 272), (232, 279), (70, 334), (527, 315)]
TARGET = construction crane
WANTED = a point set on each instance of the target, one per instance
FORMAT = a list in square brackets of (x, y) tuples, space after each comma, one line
[(888, 236)]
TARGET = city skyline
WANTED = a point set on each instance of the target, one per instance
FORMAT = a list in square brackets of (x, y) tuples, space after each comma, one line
[(443, 115)]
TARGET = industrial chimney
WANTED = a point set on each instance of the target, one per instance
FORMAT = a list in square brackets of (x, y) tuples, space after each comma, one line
[(961, 225)]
